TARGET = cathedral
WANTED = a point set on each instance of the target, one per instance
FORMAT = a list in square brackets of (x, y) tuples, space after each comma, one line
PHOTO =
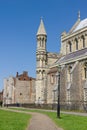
[(72, 60), (70, 64)]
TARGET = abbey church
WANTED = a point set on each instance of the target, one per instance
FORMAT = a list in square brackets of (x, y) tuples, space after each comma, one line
[(72, 60)]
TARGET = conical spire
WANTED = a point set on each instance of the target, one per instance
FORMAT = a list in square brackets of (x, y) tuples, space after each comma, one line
[(41, 29)]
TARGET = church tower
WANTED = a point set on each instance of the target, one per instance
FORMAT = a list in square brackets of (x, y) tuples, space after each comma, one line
[(41, 63)]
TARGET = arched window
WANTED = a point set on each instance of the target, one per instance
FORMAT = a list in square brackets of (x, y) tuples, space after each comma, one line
[(52, 79), (85, 95), (39, 42), (76, 41), (70, 46), (85, 85), (43, 42), (69, 83), (85, 71), (83, 41), (69, 76)]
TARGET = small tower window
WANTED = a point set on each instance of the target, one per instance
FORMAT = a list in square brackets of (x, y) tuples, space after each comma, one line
[(43, 42), (40, 42), (20, 94)]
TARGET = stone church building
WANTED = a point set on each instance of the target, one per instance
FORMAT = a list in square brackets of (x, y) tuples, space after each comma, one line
[(73, 74), (72, 59)]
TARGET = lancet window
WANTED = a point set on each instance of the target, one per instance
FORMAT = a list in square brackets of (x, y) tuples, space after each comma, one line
[(70, 46), (83, 41), (85, 70), (76, 41), (69, 74)]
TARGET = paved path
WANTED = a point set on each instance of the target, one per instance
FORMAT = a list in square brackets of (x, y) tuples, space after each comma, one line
[(39, 121), (65, 112), (75, 113), (42, 122)]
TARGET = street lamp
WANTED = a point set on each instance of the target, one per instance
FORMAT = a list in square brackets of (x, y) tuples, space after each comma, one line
[(58, 104)]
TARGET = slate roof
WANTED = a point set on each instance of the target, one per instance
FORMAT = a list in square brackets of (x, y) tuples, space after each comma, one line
[(72, 56), (82, 24)]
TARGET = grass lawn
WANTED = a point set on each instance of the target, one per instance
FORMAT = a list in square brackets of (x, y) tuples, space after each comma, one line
[(67, 122), (13, 120)]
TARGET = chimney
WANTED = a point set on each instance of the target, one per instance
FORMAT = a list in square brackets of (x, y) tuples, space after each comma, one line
[(17, 74)]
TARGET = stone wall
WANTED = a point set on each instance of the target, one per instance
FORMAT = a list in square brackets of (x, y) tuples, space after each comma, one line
[(76, 99), (63, 80), (19, 89), (25, 91)]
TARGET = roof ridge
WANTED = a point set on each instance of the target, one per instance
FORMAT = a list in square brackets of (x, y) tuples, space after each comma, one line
[(74, 26)]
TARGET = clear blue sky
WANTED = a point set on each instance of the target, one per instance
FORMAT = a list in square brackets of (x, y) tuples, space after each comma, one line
[(19, 21)]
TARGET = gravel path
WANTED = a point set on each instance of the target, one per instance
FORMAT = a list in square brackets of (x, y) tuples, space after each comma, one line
[(38, 121)]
